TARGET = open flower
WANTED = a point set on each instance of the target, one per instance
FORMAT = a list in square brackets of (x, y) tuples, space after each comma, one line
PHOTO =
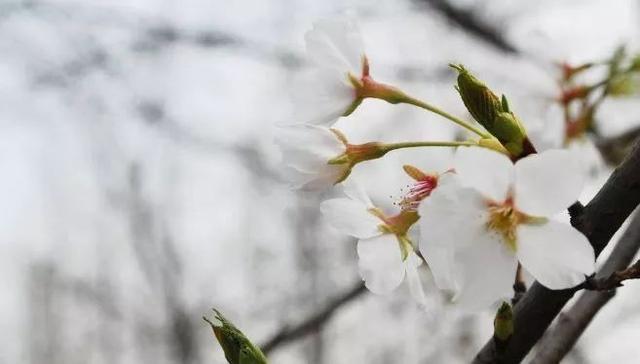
[(306, 151), (480, 222), (385, 251), (342, 78), (316, 157), (336, 48)]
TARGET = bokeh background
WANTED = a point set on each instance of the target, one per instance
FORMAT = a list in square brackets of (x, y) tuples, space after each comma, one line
[(140, 185)]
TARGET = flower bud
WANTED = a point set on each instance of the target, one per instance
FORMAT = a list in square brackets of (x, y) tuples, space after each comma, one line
[(508, 130), (493, 143), (623, 85), (481, 102), (635, 63), (503, 323), (237, 348), (492, 113), (569, 71)]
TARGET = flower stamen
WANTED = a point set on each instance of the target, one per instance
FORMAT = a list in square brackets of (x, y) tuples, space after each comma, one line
[(504, 219)]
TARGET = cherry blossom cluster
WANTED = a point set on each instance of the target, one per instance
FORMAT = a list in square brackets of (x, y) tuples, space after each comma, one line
[(475, 225)]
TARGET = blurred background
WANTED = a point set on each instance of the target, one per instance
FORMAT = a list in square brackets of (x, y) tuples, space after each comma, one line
[(140, 185)]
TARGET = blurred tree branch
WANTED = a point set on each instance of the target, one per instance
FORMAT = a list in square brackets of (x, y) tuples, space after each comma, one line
[(472, 24), (614, 149), (598, 220), (314, 322), (559, 341)]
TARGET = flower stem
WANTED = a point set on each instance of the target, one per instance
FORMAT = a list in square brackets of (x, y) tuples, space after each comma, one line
[(393, 146), (421, 104)]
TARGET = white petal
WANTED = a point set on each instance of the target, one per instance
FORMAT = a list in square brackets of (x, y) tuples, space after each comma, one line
[(380, 263), (548, 182), (440, 260), (487, 272), (336, 43), (413, 279), (323, 178), (354, 191), (323, 98), (452, 216), (556, 254), (488, 171), (307, 147), (350, 217)]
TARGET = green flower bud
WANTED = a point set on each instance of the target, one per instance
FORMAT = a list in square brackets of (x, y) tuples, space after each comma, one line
[(481, 102), (492, 113), (635, 63), (624, 85), (503, 323), (508, 130), (237, 348)]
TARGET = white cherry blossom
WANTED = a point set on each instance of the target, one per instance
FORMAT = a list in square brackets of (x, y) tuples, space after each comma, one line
[(491, 214), (336, 49), (317, 157), (385, 252), (306, 151)]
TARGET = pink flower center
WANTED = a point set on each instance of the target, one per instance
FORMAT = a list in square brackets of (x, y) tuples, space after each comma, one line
[(418, 192)]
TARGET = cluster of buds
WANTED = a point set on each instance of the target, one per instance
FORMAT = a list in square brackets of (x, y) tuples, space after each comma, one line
[(580, 100)]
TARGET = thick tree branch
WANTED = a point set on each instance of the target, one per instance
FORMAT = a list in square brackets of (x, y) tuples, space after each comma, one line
[(312, 323), (598, 220), (557, 343)]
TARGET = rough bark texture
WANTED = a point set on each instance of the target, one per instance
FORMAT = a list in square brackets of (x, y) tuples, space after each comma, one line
[(598, 220)]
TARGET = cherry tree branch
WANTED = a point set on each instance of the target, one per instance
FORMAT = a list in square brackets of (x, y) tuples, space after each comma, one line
[(614, 280), (314, 322), (614, 149), (472, 24), (598, 221), (570, 325)]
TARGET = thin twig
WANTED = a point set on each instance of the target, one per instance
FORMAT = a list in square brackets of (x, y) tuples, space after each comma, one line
[(312, 323), (519, 287), (614, 280)]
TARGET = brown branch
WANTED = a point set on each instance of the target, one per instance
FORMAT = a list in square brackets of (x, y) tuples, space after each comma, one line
[(598, 221), (312, 323), (614, 280), (559, 341), (614, 149), (519, 286)]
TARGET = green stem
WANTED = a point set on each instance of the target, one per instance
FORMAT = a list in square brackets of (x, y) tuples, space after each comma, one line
[(393, 146), (421, 104)]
